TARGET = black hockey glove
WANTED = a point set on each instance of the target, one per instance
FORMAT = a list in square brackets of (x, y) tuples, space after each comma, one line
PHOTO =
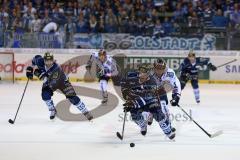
[(88, 67), (184, 77), (29, 72), (175, 99), (212, 67), (129, 105), (39, 74)]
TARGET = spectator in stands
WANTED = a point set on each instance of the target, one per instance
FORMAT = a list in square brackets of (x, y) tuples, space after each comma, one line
[(28, 8), (158, 29), (219, 20), (46, 19), (101, 27), (123, 20), (3, 12), (178, 14), (149, 26), (82, 26), (132, 25), (235, 17), (45, 7), (140, 27), (193, 20), (76, 9), (58, 15), (38, 5), (69, 10), (167, 26), (69, 29), (127, 6), (207, 15), (125, 16), (4, 23), (154, 14), (176, 29), (93, 24), (36, 24), (141, 13), (199, 9), (27, 20), (110, 17), (17, 25), (110, 26)]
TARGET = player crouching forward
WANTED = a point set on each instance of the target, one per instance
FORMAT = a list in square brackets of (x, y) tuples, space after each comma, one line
[(167, 81), (189, 71), (140, 91), (106, 68), (46, 69)]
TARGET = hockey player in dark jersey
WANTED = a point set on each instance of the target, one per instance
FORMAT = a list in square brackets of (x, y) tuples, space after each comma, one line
[(189, 71), (46, 69), (141, 93)]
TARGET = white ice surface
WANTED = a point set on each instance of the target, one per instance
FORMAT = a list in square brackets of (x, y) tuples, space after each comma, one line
[(35, 137)]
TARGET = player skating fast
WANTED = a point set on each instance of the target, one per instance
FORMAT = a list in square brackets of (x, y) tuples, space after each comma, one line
[(189, 71), (141, 92), (106, 68), (46, 69)]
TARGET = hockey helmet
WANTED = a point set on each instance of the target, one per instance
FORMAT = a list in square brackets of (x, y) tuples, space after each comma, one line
[(102, 52), (160, 64), (144, 68), (48, 56), (191, 53)]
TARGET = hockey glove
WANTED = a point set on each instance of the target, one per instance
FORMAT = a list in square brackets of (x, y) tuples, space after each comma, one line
[(88, 67), (212, 67), (29, 72), (129, 105), (39, 74), (175, 99)]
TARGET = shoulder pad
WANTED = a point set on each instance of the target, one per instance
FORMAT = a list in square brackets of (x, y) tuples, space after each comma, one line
[(38, 60), (170, 73)]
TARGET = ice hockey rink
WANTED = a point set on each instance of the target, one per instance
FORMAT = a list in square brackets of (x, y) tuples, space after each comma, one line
[(35, 137)]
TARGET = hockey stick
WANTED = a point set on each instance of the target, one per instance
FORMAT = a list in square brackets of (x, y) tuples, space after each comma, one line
[(120, 136), (209, 135), (13, 121), (227, 63)]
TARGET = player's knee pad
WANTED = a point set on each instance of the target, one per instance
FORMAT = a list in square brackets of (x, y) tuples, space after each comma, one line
[(47, 93), (164, 98), (136, 115), (103, 84), (74, 99), (158, 114)]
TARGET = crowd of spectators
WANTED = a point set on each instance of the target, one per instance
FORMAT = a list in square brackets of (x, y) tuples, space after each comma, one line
[(138, 17)]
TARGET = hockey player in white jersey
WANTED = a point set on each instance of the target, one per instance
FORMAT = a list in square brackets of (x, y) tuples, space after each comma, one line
[(166, 78), (106, 68)]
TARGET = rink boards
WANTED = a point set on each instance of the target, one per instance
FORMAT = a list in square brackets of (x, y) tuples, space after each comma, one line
[(73, 62)]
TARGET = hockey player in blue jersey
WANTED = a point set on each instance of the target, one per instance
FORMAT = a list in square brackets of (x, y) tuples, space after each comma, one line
[(189, 71), (141, 93), (46, 69)]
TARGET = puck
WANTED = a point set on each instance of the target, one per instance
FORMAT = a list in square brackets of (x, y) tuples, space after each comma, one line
[(132, 144), (10, 121)]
